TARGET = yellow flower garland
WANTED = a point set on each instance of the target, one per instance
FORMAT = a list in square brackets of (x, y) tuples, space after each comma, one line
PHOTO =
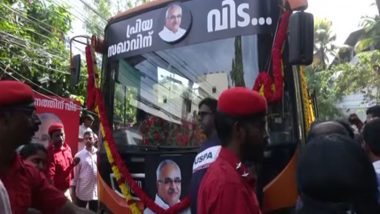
[(307, 103), (123, 187)]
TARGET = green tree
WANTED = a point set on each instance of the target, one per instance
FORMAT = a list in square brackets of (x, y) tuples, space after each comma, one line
[(371, 34), (237, 73), (319, 77), (97, 17), (123, 5), (323, 43), (32, 45), (125, 95), (322, 85), (363, 76)]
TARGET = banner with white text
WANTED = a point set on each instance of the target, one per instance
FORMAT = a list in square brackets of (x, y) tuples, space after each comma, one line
[(56, 109)]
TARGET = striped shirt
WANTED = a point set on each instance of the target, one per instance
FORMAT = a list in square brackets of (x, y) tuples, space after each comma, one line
[(85, 180)]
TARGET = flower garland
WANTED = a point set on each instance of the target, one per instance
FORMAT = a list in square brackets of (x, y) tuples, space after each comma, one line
[(121, 182), (121, 172), (274, 89), (92, 101), (263, 84), (307, 104)]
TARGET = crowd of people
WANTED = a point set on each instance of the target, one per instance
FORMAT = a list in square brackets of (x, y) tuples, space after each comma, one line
[(35, 179), (338, 168)]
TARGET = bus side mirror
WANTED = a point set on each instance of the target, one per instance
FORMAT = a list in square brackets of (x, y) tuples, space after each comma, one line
[(301, 38), (75, 69)]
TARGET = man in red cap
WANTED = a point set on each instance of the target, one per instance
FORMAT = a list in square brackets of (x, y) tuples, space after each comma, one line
[(60, 159), (26, 185), (228, 186)]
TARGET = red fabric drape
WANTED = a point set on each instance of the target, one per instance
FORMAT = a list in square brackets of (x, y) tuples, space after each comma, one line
[(90, 101)]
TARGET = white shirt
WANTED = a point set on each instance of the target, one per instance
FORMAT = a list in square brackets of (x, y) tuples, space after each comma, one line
[(85, 180), (376, 166), (169, 36), (5, 206), (163, 205), (82, 130)]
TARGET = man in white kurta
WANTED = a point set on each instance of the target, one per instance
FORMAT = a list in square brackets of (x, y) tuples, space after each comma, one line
[(84, 183), (88, 120)]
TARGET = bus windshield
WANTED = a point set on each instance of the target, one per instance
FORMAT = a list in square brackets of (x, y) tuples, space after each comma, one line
[(156, 95)]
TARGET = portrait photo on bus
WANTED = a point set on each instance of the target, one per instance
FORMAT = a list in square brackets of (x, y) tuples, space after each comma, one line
[(176, 23), (167, 179), (42, 135)]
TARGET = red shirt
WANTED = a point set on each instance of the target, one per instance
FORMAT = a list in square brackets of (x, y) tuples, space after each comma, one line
[(60, 168), (227, 188), (27, 187)]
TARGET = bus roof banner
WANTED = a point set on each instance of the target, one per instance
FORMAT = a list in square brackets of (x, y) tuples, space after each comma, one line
[(52, 109), (189, 22)]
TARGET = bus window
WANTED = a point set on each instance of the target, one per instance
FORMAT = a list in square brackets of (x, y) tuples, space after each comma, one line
[(160, 91)]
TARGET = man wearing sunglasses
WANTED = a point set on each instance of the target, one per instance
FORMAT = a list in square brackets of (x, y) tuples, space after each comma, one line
[(168, 185), (209, 149), (26, 185)]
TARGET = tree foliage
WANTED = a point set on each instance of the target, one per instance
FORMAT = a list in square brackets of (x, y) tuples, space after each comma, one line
[(322, 86), (318, 76), (237, 74), (103, 10), (95, 24), (363, 76), (323, 43), (371, 35), (124, 110), (32, 45)]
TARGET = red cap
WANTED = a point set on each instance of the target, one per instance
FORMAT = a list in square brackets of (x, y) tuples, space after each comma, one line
[(14, 93), (55, 127), (240, 101)]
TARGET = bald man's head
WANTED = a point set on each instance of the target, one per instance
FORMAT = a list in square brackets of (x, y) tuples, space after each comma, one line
[(328, 128)]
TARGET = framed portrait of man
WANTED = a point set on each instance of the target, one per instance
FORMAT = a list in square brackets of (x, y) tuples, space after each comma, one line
[(167, 179), (176, 23), (42, 136)]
